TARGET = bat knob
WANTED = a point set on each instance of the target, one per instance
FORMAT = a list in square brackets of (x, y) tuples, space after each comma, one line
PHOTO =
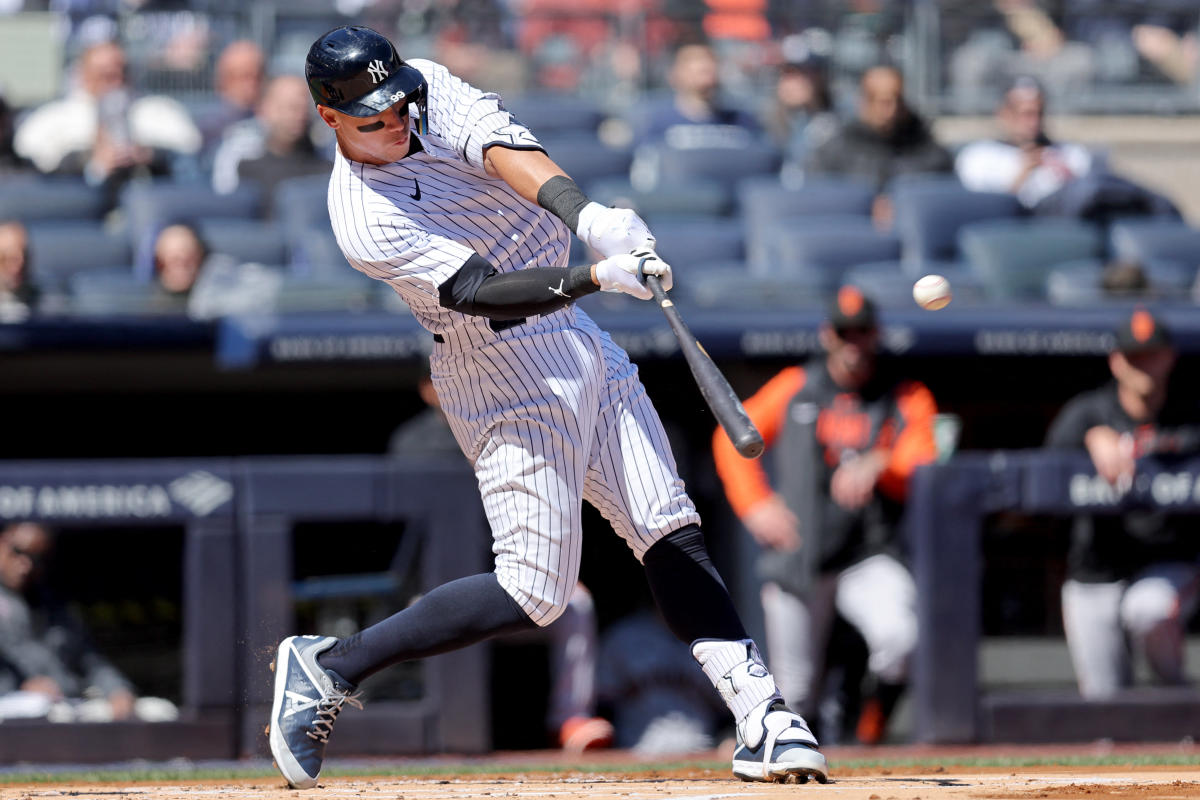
[(750, 444)]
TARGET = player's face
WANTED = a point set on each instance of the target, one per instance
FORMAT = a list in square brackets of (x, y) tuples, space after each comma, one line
[(851, 352), (380, 139), (1144, 373)]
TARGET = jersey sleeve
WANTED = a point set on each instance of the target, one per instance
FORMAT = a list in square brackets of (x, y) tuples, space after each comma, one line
[(913, 443), (468, 119), (745, 480), (417, 261), (1073, 421)]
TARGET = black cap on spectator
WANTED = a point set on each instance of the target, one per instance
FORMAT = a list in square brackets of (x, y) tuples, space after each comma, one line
[(852, 309), (1142, 331)]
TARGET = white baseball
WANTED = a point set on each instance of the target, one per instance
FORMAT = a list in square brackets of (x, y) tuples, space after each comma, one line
[(932, 292)]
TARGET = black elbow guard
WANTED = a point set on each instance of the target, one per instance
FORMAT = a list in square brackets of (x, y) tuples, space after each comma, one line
[(458, 292)]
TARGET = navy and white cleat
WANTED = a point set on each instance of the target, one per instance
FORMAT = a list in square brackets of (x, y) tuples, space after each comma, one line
[(785, 752), (308, 699)]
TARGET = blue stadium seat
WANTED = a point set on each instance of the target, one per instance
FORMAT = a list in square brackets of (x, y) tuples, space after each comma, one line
[(762, 248), (728, 165), (692, 199), (1155, 239), (1013, 257), (730, 287), (245, 239), (684, 244), (112, 292), (302, 202), (891, 282), (1076, 283), (326, 293), (765, 203), (929, 214), (37, 199), (61, 249), (587, 159), (316, 252), (548, 113), (825, 254)]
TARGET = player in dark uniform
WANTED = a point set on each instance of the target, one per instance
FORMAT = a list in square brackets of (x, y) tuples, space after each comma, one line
[(844, 438), (1133, 578)]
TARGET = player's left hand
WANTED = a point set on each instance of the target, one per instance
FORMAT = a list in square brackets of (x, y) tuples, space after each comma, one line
[(626, 273), (612, 231)]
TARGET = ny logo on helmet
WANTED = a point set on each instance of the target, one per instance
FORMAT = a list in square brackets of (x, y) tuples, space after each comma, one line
[(377, 70)]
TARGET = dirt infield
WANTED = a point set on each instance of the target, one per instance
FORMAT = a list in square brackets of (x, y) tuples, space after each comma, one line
[(900, 774)]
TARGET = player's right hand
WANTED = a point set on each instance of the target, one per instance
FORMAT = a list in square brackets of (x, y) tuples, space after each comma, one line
[(773, 525), (624, 273)]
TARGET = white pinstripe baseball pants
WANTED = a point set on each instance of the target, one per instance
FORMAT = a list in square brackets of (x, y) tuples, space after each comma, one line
[(550, 416)]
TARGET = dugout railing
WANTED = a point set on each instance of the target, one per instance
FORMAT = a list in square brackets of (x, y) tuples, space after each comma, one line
[(948, 504), (238, 593)]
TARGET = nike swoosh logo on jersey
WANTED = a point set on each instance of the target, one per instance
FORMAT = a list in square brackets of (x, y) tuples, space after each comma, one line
[(417, 185)]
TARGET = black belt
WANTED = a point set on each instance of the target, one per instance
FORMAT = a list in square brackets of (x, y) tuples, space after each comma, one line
[(495, 324)]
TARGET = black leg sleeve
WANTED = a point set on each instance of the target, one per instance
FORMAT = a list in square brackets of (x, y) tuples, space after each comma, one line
[(451, 616), (688, 590)]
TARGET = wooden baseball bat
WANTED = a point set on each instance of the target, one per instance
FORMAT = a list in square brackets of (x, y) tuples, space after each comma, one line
[(717, 392)]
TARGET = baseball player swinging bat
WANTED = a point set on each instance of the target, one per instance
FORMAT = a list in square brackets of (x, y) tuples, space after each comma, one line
[(717, 392)]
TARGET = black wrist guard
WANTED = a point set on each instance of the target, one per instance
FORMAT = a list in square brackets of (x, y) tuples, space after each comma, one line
[(563, 198)]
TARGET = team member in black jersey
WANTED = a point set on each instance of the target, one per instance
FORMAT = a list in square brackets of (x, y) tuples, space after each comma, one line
[(1132, 579)]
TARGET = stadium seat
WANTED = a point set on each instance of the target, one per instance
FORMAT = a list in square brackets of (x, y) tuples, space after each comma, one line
[(765, 203), (823, 254), (1155, 239), (245, 239), (586, 159), (731, 287), (324, 293), (891, 283), (548, 113), (762, 250), (37, 199), (316, 252), (301, 203), (1076, 283), (61, 249), (1013, 257), (664, 166), (691, 199), (929, 213), (112, 292), (684, 244)]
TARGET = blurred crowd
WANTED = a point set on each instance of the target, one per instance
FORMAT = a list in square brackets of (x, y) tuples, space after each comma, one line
[(755, 140)]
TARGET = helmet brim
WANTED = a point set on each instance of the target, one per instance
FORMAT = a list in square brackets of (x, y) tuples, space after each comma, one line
[(406, 84)]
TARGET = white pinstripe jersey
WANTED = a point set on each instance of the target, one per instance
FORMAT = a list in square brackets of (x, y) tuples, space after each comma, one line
[(415, 222)]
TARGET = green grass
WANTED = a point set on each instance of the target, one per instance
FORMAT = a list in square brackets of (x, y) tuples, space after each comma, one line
[(169, 773)]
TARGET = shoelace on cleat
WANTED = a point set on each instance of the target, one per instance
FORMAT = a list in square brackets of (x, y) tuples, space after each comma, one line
[(327, 711)]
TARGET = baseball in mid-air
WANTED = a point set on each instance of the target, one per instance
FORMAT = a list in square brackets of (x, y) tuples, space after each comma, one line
[(932, 292)]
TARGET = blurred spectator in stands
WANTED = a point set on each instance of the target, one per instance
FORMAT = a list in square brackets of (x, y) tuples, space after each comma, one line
[(238, 80), (696, 115), (1048, 177), (191, 279), (800, 116), (275, 145), (48, 666), (885, 140), (102, 130), (10, 163), (659, 702), (18, 294), (1132, 578), (571, 719), (1024, 161), (846, 436)]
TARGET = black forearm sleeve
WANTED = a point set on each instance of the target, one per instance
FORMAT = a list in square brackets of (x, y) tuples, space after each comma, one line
[(563, 198), (477, 289)]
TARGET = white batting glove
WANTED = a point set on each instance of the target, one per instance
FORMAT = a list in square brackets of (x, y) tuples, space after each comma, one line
[(611, 231), (625, 273)]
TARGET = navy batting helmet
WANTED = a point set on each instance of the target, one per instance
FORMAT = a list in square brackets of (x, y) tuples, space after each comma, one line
[(357, 71)]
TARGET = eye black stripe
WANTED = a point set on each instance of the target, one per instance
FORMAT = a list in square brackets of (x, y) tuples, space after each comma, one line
[(374, 126)]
